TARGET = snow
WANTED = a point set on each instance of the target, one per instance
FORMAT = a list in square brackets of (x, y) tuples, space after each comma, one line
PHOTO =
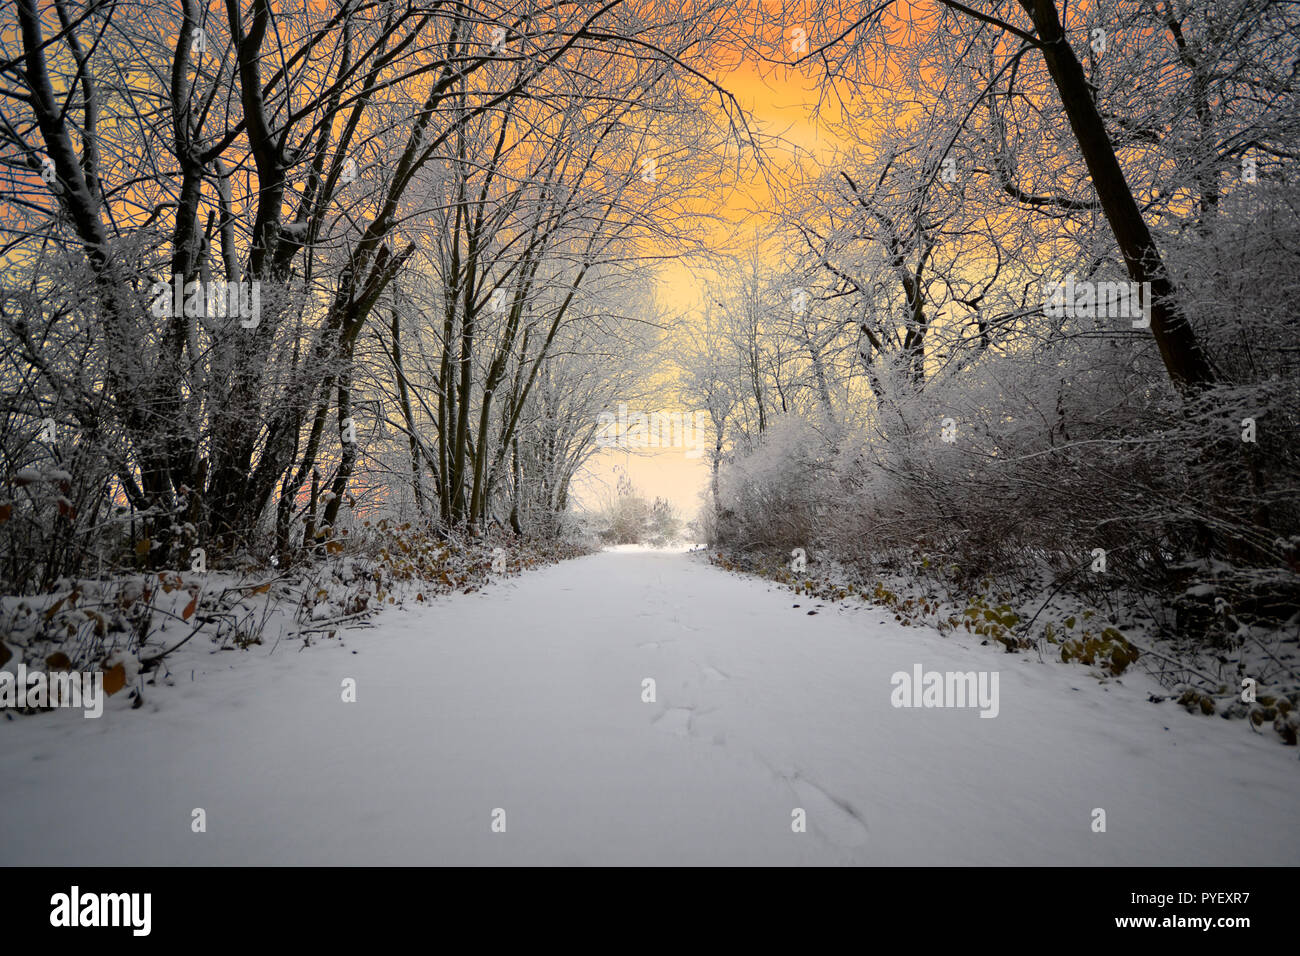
[(27, 476), (527, 696), (295, 231)]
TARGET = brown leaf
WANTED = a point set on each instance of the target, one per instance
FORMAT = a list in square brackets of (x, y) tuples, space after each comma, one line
[(58, 661), (190, 608), (5, 512), (114, 679), (54, 608)]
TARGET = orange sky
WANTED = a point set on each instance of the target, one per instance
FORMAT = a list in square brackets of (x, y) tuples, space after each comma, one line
[(778, 105)]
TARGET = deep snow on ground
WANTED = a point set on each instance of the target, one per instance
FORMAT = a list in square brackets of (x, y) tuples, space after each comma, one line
[(527, 696)]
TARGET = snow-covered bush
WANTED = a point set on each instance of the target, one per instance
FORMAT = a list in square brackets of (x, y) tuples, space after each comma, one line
[(779, 496), (1062, 468), (630, 518)]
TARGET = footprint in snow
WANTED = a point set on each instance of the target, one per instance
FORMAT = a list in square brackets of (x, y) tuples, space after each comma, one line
[(675, 721), (835, 819)]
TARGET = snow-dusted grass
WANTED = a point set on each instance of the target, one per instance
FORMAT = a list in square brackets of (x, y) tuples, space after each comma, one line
[(527, 696), (136, 623)]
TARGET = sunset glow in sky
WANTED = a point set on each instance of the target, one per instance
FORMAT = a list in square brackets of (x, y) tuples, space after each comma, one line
[(779, 105)]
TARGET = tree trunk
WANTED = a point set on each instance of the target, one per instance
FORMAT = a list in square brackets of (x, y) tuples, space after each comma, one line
[(1187, 365)]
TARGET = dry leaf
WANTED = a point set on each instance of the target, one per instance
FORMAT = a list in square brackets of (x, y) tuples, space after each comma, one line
[(54, 608), (101, 626), (114, 679), (58, 661), (190, 608)]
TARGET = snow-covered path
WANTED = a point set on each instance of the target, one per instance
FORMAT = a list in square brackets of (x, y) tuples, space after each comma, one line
[(528, 697)]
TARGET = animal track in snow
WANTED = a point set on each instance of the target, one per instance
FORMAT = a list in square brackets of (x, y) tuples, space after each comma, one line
[(675, 720), (835, 819)]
